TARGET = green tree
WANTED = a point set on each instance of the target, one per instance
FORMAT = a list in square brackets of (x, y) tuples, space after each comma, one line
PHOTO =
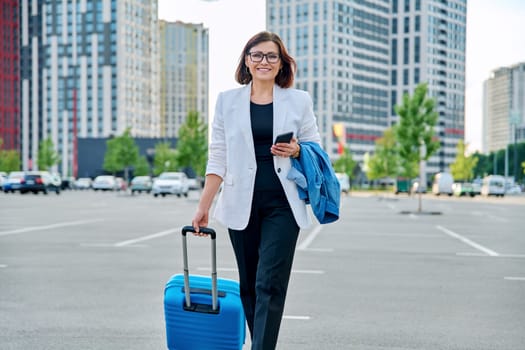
[(122, 153), (164, 158), (47, 156), (415, 131), (192, 144), (9, 159), (385, 160), (141, 167), (345, 163), (463, 166)]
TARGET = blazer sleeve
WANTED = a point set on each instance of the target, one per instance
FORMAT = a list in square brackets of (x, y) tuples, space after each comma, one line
[(217, 148), (308, 131)]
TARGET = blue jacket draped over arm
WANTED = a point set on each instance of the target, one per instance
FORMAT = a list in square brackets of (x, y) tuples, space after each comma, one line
[(316, 181)]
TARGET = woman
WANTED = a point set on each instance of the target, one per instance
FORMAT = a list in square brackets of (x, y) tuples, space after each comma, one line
[(258, 204)]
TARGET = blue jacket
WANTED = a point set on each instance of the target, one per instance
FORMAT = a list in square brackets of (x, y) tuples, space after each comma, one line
[(317, 182)]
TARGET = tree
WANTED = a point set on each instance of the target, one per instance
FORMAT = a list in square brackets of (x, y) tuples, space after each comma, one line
[(122, 153), (463, 166), (47, 156), (415, 131), (164, 158), (9, 159), (345, 163), (141, 167), (385, 160), (192, 144)]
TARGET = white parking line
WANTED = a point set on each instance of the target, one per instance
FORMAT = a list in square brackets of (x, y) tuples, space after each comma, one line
[(467, 241), (310, 238), (515, 278), (47, 227), (145, 238), (301, 318)]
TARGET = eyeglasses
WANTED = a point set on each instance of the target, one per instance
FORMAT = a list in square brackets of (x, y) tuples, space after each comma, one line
[(271, 57)]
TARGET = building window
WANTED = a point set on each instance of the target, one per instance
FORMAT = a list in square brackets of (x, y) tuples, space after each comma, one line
[(417, 23), (394, 51), (407, 5), (407, 24), (394, 26), (405, 76), (393, 79), (416, 76), (406, 51), (394, 6), (417, 48)]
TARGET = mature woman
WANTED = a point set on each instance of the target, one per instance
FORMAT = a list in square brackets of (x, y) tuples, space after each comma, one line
[(258, 204)]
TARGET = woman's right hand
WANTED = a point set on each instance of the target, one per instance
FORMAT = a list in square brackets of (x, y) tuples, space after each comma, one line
[(200, 219)]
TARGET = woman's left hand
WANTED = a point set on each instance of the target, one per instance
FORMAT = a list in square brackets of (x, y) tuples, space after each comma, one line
[(285, 149)]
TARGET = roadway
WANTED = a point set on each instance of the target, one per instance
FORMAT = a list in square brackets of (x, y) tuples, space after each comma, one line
[(86, 270)]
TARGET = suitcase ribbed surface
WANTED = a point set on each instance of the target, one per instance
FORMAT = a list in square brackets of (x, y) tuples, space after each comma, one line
[(192, 330)]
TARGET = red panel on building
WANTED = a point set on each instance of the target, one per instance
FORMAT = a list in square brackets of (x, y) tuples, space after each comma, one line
[(10, 74)]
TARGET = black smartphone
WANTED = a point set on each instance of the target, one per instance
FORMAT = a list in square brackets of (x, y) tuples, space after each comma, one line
[(284, 138)]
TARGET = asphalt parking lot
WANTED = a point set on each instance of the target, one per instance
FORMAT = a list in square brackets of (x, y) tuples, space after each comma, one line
[(87, 270)]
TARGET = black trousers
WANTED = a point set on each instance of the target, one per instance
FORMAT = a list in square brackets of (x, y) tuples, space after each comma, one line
[(264, 251)]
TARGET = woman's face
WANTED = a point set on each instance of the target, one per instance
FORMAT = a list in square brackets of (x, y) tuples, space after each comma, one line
[(264, 61)]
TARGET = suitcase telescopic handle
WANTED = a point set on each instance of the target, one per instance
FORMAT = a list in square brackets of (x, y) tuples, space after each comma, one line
[(211, 232)]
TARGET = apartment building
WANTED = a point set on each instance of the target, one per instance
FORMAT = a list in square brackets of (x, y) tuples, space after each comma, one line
[(358, 58), (88, 69), (184, 74)]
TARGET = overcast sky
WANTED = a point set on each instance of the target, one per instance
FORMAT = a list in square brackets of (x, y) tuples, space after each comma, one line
[(495, 38)]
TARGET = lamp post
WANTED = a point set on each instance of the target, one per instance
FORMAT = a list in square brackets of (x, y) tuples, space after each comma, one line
[(514, 121)]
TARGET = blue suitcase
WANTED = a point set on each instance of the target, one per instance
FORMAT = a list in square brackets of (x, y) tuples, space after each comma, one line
[(202, 312)]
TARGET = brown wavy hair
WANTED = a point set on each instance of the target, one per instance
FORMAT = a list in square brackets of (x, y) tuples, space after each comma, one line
[(284, 78)]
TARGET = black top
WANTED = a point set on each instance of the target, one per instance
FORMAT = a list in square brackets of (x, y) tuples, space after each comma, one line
[(262, 130)]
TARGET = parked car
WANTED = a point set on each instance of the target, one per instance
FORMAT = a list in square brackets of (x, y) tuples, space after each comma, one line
[(171, 183), (141, 184), (513, 189), (3, 178), (83, 183), (121, 184), (461, 189), (493, 185), (105, 183), (416, 188), (40, 181), (344, 182), (12, 184), (442, 184)]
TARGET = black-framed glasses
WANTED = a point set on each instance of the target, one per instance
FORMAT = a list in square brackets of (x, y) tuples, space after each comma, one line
[(257, 56)]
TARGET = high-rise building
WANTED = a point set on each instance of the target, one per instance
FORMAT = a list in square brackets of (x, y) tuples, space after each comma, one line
[(357, 58), (504, 108), (9, 75), (89, 69), (184, 52)]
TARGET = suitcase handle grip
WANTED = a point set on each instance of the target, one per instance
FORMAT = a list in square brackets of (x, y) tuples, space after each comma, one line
[(211, 232), (204, 230)]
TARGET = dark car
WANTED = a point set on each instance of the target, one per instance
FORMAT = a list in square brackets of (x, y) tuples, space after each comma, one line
[(39, 182)]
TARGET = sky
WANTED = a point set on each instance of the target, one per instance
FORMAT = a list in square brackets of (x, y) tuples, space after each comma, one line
[(495, 38)]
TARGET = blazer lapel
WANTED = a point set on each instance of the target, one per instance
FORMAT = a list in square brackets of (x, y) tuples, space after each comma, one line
[(280, 109), (241, 111)]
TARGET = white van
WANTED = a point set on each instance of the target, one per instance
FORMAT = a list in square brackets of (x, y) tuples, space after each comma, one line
[(442, 184), (493, 185)]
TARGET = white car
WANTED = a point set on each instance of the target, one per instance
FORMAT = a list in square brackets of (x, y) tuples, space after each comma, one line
[(171, 183), (83, 183), (104, 183)]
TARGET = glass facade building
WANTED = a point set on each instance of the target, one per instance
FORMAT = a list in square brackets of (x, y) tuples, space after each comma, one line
[(504, 108), (358, 58), (89, 69), (184, 52)]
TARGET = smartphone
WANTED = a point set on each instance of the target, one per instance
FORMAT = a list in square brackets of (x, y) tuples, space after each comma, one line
[(284, 138)]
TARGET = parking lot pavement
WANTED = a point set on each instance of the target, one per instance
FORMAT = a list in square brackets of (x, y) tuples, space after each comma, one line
[(87, 270)]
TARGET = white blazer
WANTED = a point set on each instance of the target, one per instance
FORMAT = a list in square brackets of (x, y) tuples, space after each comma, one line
[(231, 153)]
